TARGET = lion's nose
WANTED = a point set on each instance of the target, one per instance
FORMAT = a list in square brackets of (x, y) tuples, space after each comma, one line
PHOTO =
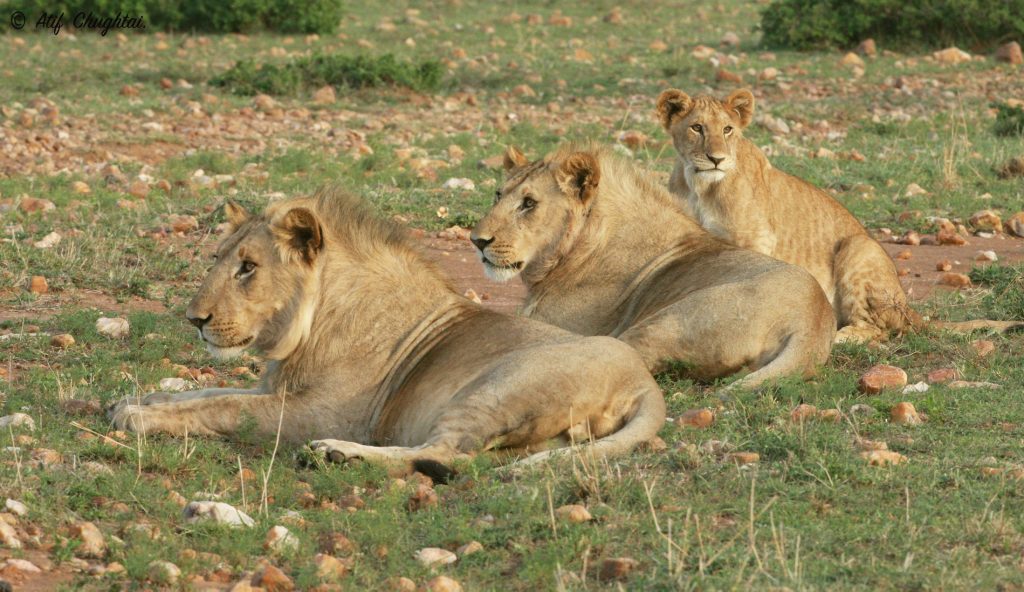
[(480, 242), (200, 321), (716, 160)]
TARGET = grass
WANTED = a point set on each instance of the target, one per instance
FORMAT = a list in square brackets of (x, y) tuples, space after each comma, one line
[(810, 515)]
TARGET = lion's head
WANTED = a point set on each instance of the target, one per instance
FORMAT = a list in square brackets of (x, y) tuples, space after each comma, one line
[(705, 130), (534, 210), (257, 293)]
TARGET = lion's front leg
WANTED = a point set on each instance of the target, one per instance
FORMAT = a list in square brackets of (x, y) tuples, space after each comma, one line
[(209, 414), (162, 397)]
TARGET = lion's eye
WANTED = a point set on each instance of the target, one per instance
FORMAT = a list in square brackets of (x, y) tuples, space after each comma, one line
[(728, 129), (246, 268), (528, 203), (697, 128)]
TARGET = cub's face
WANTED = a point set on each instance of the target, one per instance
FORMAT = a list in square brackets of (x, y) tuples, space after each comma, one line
[(705, 130), (251, 294), (533, 212)]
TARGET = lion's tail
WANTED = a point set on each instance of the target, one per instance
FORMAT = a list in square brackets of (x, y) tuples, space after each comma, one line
[(648, 418), (968, 326)]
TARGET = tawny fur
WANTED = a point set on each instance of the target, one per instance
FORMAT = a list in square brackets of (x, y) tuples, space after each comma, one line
[(728, 185), (604, 250), (372, 348)]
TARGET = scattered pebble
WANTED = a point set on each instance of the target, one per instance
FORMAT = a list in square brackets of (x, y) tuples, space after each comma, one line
[(280, 539), (882, 458), (881, 377), (443, 584), (434, 556), (954, 280), (16, 420), (91, 541), (696, 418), (62, 341), (905, 414), (329, 568), (617, 568), (219, 512), (574, 513), (164, 572), (941, 375), (459, 183), (114, 328), (49, 241), (273, 580), (918, 387), (173, 384)]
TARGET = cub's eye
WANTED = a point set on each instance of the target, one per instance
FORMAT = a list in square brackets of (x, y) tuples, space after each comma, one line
[(528, 203), (728, 129), (246, 268), (697, 128)]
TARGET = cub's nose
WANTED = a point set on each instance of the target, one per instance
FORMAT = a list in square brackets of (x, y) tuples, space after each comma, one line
[(480, 242), (199, 321), (716, 160)]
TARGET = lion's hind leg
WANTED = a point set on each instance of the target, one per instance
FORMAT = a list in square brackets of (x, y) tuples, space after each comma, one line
[(870, 301)]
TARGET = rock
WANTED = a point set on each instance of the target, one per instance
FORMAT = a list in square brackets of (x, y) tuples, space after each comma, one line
[(164, 572), (9, 536), (443, 584), (830, 415), (324, 95), (15, 507), (881, 377), (81, 407), (959, 384), (17, 420), (986, 256), (329, 568), (914, 189), (62, 341), (617, 568), (183, 223), (862, 409), (335, 543), (401, 584), (905, 414), (851, 60), (944, 265), (769, 73), (38, 285), (954, 280), (219, 512), (658, 46), (273, 580), (614, 16), (1013, 167), (730, 39), (952, 55), (701, 52), (1015, 225), (435, 556), (1010, 53), (917, 387), (882, 458), (986, 220), (941, 375), (22, 566), (46, 457), (264, 103), (129, 91), (776, 125), (573, 513), (459, 183), (742, 458), (633, 139), (280, 539), (723, 75), (524, 90), (91, 543), (696, 418), (803, 412), (982, 347), (81, 188), (424, 497), (173, 384), (904, 255), (867, 48), (49, 241), (469, 548), (865, 444), (950, 237), (114, 328), (31, 204)]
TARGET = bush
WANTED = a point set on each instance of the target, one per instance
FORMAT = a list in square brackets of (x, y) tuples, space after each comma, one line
[(303, 74), (813, 24), (210, 16), (1009, 120)]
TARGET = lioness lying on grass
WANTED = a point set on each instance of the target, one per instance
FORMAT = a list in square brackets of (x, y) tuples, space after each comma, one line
[(604, 250), (369, 345)]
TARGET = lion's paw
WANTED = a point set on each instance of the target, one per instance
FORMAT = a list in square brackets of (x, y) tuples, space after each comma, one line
[(128, 417), (337, 450)]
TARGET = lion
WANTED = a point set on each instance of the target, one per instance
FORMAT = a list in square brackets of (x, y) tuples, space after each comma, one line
[(369, 346), (604, 250), (726, 182)]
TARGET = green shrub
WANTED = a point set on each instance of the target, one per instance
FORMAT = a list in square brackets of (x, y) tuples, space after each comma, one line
[(1009, 120), (1005, 299), (813, 24), (210, 16), (248, 78)]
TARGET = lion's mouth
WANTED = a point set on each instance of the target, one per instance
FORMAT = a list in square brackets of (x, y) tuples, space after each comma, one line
[(241, 343), (515, 266)]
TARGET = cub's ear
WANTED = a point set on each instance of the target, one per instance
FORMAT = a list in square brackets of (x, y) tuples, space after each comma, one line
[(235, 213), (514, 158), (741, 102), (672, 103), (299, 234), (579, 175)]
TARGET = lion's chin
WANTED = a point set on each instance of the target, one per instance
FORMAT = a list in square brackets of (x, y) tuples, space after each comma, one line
[(502, 273), (224, 353), (711, 175)]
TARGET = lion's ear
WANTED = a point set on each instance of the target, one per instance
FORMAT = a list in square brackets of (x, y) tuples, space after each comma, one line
[(235, 213), (742, 103), (514, 159), (299, 233), (579, 175), (672, 103)]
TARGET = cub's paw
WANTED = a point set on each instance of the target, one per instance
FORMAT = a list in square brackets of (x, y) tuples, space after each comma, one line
[(337, 451), (128, 417)]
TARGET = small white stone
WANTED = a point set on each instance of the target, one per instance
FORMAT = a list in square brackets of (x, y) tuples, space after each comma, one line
[(16, 507), (919, 387), (173, 384), (433, 556), (49, 241), (219, 512), (114, 328), (459, 183), (280, 539), (15, 420)]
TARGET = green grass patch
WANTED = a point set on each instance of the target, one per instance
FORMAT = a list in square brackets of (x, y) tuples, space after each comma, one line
[(1005, 299), (1009, 120), (360, 71)]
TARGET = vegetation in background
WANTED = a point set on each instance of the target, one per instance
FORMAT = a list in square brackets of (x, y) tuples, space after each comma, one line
[(248, 77), (1009, 120), (815, 24)]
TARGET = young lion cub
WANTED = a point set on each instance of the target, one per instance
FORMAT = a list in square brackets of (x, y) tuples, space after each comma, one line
[(730, 187)]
